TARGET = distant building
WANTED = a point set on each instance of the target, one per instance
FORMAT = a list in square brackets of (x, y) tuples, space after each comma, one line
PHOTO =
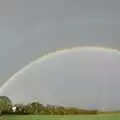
[(14, 109)]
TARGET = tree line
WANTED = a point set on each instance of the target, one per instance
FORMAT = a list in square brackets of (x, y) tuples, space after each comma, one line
[(36, 108)]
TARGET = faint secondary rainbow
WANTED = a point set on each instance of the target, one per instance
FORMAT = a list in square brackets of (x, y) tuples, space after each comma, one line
[(52, 54)]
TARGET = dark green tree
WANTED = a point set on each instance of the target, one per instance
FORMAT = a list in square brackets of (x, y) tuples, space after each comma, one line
[(20, 109), (5, 105), (34, 108)]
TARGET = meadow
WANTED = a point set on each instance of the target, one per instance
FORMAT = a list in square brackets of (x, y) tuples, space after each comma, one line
[(64, 117)]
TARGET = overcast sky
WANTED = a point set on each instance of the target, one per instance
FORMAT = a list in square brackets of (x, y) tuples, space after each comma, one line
[(84, 77), (30, 28)]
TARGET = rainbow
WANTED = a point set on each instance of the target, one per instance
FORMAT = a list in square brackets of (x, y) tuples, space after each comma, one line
[(49, 55)]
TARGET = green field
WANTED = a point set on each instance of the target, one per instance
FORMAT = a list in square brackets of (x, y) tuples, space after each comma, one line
[(79, 117)]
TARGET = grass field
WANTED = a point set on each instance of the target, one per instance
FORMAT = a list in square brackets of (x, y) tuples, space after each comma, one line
[(80, 117)]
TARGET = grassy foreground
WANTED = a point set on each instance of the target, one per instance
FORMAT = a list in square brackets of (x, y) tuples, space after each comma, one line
[(71, 117)]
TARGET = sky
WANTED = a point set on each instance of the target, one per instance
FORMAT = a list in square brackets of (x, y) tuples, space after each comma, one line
[(31, 28), (79, 77)]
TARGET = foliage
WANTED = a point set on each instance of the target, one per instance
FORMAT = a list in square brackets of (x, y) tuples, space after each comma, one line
[(36, 108), (20, 109), (5, 104)]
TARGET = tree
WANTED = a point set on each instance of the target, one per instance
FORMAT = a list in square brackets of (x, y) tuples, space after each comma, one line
[(34, 108), (5, 105), (20, 109)]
